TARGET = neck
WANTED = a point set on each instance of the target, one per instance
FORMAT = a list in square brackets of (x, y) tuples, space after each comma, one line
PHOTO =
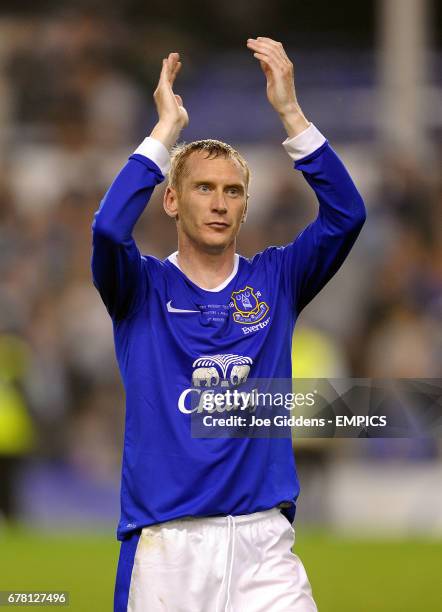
[(205, 269)]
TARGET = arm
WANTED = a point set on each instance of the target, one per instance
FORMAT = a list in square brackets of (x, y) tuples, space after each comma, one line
[(318, 252), (116, 261), (321, 248)]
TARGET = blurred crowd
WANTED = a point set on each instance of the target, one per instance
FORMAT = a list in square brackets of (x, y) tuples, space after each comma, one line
[(76, 100)]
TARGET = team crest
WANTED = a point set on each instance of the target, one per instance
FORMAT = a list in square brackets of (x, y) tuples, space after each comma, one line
[(248, 308)]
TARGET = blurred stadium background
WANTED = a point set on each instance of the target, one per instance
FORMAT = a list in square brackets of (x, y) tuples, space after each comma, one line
[(76, 82)]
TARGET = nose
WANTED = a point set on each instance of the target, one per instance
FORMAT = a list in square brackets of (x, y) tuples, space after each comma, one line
[(218, 203)]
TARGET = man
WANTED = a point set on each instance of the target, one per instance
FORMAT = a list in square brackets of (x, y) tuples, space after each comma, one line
[(206, 523)]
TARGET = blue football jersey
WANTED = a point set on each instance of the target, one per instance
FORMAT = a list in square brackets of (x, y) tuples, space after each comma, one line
[(170, 334)]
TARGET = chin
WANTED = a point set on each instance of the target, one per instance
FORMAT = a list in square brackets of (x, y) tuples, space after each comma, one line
[(215, 241), (216, 245)]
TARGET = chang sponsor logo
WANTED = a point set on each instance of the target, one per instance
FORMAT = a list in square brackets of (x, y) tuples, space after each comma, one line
[(224, 371)]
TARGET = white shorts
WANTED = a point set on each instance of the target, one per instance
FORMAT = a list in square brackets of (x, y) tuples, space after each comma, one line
[(219, 564)]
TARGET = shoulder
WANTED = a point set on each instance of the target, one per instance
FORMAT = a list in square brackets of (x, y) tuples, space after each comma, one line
[(153, 266), (269, 258)]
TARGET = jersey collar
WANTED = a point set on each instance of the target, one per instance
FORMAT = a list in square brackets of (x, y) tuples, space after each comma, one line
[(173, 258)]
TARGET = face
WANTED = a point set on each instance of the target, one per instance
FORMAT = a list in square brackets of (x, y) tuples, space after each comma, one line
[(211, 203)]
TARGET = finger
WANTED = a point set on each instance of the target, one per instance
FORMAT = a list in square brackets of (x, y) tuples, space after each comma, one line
[(278, 46), (267, 71), (267, 49), (265, 64), (273, 62), (270, 46), (168, 65), (276, 61), (179, 100), (272, 51), (172, 60), (175, 71), (164, 76), (266, 39)]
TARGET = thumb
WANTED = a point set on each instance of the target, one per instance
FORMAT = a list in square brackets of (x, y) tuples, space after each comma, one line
[(164, 70), (265, 68), (179, 99)]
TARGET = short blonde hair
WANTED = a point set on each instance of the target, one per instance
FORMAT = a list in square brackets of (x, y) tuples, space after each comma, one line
[(213, 149)]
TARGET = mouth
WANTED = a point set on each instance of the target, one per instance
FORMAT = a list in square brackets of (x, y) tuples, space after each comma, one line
[(218, 225)]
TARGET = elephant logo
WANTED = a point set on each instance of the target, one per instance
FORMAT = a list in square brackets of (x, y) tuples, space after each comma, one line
[(205, 377), (248, 308), (239, 374), (224, 370)]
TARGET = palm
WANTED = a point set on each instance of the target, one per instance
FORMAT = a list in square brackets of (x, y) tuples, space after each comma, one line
[(278, 70), (170, 105), (280, 92)]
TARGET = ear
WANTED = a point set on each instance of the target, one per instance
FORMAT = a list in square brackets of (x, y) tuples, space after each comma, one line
[(170, 202), (244, 215)]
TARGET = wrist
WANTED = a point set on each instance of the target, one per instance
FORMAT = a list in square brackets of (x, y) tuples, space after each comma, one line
[(167, 132), (294, 120)]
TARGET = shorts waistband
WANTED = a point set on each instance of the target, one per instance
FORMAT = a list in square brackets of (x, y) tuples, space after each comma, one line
[(239, 519)]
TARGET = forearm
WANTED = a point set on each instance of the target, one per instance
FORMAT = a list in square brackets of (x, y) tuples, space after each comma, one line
[(127, 198), (321, 248), (341, 208), (116, 260), (326, 174)]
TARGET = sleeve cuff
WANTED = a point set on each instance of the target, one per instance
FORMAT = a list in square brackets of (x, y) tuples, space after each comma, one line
[(154, 150), (304, 143)]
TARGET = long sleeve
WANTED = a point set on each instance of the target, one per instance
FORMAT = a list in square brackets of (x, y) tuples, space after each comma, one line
[(117, 265), (318, 252)]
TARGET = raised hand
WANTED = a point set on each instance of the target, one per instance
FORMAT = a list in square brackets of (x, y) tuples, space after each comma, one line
[(279, 73), (172, 116)]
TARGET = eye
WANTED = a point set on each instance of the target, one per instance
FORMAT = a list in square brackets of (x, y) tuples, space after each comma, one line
[(233, 191), (203, 188)]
